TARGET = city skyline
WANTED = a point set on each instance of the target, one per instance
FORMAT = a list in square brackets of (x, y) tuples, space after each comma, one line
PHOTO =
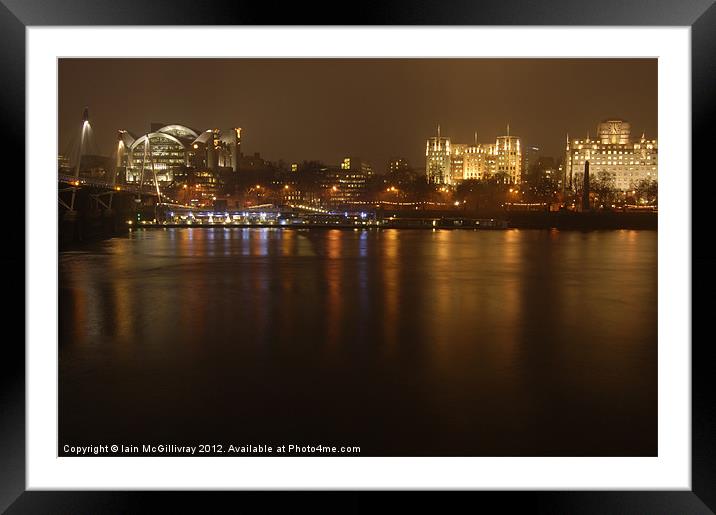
[(295, 109), (442, 301)]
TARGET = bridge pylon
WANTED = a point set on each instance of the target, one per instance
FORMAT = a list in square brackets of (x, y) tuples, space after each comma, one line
[(71, 213)]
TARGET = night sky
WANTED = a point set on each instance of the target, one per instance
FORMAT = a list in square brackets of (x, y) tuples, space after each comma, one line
[(324, 109)]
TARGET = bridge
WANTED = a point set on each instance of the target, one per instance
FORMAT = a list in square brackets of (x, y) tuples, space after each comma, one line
[(103, 189)]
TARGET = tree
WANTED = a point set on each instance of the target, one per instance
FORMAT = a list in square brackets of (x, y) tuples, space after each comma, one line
[(420, 190), (543, 189), (487, 194), (501, 177), (647, 192), (604, 189)]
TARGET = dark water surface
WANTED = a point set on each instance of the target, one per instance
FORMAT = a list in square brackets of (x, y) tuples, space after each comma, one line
[(402, 342)]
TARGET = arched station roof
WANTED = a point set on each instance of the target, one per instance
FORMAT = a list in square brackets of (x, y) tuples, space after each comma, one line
[(144, 138), (179, 131)]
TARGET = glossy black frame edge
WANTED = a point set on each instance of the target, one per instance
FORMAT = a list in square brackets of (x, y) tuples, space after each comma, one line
[(15, 15)]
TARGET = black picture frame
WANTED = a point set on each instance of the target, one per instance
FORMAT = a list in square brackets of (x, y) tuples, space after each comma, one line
[(16, 15)]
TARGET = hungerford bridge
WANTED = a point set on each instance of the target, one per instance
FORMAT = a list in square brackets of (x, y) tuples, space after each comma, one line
[(102, 190)]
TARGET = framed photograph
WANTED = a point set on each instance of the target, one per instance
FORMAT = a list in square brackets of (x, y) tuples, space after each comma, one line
[(442, 248)]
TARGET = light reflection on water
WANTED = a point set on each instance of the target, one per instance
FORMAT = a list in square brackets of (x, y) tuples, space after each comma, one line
[(404, 342)]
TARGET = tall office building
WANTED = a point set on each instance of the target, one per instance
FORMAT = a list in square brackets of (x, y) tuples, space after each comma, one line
[(613, 154), (508, 154), (457, 162), (438, 160), (530, 156)]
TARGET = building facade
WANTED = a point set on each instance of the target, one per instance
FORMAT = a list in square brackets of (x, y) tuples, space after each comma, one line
[(479, 162), (457, 162), (168, 150), (450, 163), (508, 158), (613, 155), (345, 186), (438, 160)]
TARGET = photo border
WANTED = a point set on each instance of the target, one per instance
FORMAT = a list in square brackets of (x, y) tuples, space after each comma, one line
[(700, 15)]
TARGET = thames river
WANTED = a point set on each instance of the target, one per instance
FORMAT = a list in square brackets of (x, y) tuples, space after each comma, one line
[(401, 342)]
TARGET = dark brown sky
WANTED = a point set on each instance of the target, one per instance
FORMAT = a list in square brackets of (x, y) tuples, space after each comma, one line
[(324, 109)]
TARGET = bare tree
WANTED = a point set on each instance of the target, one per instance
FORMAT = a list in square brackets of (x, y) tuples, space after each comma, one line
[(605, 190)]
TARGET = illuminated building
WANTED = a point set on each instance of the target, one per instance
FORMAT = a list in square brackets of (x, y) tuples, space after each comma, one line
[(345, 185), (347, 182), (167, 150), (356, 164), (288, 187), (612, 155), (508, 159), (457, 161), (438, 160), (479, 161), (204, 186)]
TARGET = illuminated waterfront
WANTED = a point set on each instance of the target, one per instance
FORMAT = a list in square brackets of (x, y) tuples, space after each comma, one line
[(403, 342)]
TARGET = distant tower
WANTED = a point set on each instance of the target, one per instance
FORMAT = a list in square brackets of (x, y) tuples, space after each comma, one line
[(438, 159), (566, 180), (585, 188), (121, 149)]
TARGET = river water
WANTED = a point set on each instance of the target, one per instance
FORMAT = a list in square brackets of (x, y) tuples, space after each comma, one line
[(402, 342)]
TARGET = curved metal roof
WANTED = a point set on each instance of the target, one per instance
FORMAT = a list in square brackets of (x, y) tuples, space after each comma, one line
[(169, 129), (156, 135)]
